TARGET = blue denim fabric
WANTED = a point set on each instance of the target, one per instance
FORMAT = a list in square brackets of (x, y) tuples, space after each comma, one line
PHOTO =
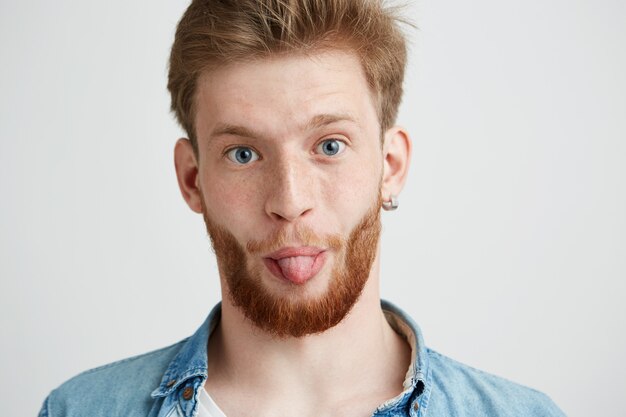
[(165, 383)]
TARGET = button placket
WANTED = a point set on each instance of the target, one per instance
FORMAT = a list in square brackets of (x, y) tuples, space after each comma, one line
[(188, 393), (187, 397)]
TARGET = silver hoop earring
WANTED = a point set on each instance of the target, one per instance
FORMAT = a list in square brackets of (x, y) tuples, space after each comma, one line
[(392, 204)]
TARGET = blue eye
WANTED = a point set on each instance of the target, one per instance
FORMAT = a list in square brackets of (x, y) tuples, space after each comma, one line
[(331, 147), (242, 155)]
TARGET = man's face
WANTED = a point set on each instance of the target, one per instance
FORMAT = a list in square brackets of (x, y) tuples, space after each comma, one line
[(289, 171)]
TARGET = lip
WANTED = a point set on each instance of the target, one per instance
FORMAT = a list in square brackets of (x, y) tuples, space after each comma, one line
[(289, 252), (271, 262)]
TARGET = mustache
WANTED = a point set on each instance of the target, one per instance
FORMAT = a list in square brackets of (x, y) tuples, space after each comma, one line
[(300, 235)]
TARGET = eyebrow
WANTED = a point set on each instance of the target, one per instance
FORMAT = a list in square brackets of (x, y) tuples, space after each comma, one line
[(322, 120), (316, 122)]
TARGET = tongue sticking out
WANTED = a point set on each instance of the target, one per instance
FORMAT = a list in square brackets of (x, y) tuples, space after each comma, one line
[(298, 269)]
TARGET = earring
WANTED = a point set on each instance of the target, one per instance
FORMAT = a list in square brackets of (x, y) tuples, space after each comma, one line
[(392, 204)]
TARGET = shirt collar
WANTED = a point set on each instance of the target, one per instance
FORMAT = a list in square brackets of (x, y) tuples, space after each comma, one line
[(415, 379), (191, 360)]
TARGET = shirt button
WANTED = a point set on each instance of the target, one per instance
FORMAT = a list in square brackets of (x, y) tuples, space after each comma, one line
[(416, 406), (171, 383), (188, 393)]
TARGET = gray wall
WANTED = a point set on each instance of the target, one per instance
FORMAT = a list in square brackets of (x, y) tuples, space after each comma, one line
[(508, 248)]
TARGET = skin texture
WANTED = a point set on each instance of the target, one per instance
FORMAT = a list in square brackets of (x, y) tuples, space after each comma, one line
[(284, 110)]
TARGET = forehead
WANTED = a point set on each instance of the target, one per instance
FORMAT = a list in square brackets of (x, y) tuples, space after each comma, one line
[(284, 93)]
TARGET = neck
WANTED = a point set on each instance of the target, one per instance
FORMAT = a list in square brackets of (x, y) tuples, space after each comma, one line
[(327, 368)]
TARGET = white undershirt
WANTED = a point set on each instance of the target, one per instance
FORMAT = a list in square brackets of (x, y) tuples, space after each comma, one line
[(207, 407)]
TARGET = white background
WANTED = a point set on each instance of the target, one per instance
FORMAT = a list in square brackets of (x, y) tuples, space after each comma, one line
[(508, 248)]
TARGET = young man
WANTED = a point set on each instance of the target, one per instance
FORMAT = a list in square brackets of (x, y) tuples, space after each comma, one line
[(292, 152)]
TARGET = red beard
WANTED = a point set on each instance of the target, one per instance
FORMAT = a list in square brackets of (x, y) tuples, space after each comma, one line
[(280, 315)]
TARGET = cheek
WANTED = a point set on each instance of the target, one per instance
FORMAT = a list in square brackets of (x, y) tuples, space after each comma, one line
[(230, 202), (352, 189)]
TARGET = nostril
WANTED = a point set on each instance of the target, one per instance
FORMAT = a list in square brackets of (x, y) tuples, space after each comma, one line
[(289, 215), (288, 200)]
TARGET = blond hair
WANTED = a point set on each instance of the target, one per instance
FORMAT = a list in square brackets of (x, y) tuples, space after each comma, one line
[(218, 32)]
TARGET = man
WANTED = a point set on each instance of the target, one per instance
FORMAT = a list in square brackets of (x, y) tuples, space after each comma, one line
[(292, 152)]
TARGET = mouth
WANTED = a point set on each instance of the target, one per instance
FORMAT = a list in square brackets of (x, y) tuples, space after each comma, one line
[(296, 264)]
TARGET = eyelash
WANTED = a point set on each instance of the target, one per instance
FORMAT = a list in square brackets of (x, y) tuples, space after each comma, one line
[(343, 143), (232, 148), (342, 146)]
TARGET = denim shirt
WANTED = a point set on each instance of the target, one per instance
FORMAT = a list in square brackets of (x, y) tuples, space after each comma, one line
[(165, 383)]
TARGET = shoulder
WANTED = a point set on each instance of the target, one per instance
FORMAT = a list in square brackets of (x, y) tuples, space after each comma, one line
[(470, 391), (120, 388)]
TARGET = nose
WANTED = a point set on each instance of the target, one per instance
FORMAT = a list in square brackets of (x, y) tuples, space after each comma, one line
[(290, 191)]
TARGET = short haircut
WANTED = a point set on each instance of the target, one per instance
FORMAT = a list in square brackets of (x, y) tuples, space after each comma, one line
[(212, 33)]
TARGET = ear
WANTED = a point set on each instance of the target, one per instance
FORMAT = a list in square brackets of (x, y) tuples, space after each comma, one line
[(397, 157), (187, 174)]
